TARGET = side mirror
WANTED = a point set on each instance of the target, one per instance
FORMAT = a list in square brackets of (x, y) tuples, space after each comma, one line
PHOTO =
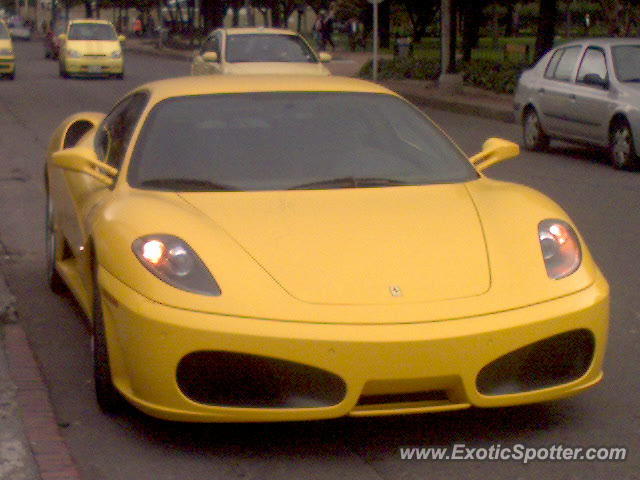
[(210, 57), (324, 57), (84, 160), (494, 150), (121, 38), (62, 37), (595, 80)]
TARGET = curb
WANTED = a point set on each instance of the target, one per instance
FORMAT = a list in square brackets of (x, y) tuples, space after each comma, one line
[(31, 447)]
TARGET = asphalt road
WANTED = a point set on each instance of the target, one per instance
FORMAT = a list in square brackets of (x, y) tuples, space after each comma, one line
[(603, 202)]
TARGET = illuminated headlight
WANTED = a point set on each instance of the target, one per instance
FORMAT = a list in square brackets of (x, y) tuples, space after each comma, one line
[(73, 54), (6, 52), (174, 262), (116, 54), (560, 248)]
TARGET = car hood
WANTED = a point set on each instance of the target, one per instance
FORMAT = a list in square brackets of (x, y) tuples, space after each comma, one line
[(359, 246), (276, 68), (94, 47)]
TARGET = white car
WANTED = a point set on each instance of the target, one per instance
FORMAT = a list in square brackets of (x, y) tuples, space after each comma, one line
[(249, 51), (585, 91), (18, 30)]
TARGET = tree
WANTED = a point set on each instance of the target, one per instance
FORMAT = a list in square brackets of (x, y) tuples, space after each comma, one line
[(213, 12), (421, 13), (546, 27)]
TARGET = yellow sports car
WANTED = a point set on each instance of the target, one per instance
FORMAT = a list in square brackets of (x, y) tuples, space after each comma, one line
[(264, 248), (247, 51), (7, 58), (91, 48)]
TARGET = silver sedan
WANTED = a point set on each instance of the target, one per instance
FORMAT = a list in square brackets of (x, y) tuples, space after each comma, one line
[(585, 91)]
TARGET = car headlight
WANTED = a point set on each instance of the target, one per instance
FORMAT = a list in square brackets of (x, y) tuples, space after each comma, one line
[(116, 54), (73, 54), (6, 51), (560, 248), (174, 262)]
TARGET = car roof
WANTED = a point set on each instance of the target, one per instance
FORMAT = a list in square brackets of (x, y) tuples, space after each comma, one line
[(602, 41), (258, 31), (221, 84)]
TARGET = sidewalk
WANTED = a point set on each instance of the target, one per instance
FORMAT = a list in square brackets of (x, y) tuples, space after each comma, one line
[(472, 101)]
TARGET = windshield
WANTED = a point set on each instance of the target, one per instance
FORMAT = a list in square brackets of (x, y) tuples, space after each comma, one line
[(626, 61), (92, 31), (268, 48), (279, 141), (4, 33)]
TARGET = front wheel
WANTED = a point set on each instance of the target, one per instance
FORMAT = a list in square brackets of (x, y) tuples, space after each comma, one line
[(533, 136), (63, 72), (108, 397), (54, 250), (621, 149)]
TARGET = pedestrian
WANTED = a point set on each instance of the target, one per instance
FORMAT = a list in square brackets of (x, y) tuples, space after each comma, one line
[(317, 30), (327, 31), (137, 27), (354, 32)]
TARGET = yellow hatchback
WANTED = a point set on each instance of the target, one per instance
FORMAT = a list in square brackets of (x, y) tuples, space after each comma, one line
[(250, 51), (264, 248), (7, 57), (91, 48)]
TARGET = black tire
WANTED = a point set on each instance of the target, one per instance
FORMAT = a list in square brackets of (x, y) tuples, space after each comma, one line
[(109, 399), (119, 76), (63, 72), (533, 137), (47, 54), (53, 246), (622, 151), (11, 76)]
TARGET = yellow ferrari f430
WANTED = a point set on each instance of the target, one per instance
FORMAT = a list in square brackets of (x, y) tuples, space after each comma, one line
[(267, 248)]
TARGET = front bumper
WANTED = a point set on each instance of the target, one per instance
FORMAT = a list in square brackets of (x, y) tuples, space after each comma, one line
[(97, 65), (7, 65), (381, 369)]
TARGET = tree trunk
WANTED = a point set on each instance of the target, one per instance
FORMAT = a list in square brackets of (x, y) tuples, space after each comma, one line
[(212, 13), (546, 27)]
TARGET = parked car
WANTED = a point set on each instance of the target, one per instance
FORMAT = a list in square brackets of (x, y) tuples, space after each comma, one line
[(257, 51), (585, 91), (7, 57), (91, 48), (52, 40), (19, 28), (268, 248)]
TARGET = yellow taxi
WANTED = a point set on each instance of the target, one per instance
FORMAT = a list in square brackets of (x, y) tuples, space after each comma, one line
[(270, 248), (7, 57), (248, 51), (91, 48)]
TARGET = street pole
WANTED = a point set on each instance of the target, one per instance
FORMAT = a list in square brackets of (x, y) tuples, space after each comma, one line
[(375, 40)]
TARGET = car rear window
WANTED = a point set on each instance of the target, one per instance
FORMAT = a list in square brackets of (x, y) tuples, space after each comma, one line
[(283, 140), (268, 48), (626, 62)]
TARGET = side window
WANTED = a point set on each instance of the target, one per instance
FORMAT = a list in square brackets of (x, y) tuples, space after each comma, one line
[(115, 132), (553, 63), (593, 62), (566, 64)]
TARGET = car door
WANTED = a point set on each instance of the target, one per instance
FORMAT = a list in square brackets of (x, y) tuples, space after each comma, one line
[(111, 142), (593, 104), (202, 67), (556, 91)]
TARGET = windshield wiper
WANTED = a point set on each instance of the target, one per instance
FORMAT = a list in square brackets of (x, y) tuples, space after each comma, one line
[(350, 182), (187, 184)]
